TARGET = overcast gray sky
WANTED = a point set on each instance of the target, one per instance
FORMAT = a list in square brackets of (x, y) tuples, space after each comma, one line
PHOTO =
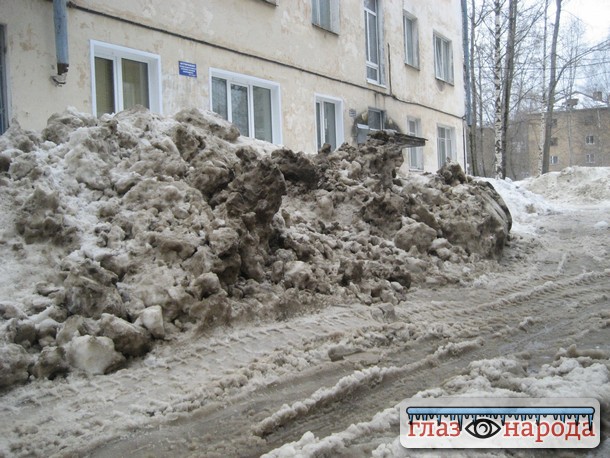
[(595, 14)]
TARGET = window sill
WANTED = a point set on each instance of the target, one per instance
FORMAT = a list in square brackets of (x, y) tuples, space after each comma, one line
[(414, 67), (450, 83), (376, 83), (324, 29)]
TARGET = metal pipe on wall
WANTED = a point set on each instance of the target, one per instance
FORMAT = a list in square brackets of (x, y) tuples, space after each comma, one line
[(60, 20)]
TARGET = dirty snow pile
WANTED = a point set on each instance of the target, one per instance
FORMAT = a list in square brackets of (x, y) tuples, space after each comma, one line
[(553, 193), (136, 227), (524, 205)]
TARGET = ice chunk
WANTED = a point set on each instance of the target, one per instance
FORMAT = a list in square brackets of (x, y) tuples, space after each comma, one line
[(94, 355)]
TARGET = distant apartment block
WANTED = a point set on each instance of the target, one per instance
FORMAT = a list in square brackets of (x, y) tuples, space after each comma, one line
[(580, 134)]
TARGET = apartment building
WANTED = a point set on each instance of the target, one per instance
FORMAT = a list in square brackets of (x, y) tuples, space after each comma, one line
[(580, 133), (295, 72)]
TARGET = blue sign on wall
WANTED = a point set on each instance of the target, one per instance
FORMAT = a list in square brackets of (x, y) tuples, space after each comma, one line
[(187, 69)]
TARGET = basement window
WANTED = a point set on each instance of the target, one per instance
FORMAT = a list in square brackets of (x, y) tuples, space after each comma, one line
[(251, 104), (591, 158), (329, 121), (123, 78), (375, 119), (416, 154), (445, 144)]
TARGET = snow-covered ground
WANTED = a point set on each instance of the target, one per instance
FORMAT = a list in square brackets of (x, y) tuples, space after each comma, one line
[(326, 380)]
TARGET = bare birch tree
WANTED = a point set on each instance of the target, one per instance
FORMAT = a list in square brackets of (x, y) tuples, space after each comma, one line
[(499, 154), (550, 100), (509, 74)]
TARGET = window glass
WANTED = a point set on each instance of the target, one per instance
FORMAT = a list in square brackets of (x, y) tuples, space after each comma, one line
[(135, 83), (219, 97), (443, 59), (319, 124), (442, 147), (372, 45), (104, 86), (371, 5), (375, 119), (325, 14), (372, 74), (416, 154), (250, 103), (411, 42), (330, 125), (416, 159), (371, 25), (124, 77), (444, 144), (262, 114), (239, 109), (438, 57)]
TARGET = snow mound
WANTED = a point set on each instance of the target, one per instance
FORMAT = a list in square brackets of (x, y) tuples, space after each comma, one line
[(573, 185), (524, 205), (134, 227)]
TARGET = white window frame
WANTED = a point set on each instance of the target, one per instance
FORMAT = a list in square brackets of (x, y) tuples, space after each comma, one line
[(416, 154), (590, 158), (449, 144), (590, 140), (116, 53), (376, 66), (316, 18), (554, 160), (339, 126), (443, 63), (250, 82), (411, 39)]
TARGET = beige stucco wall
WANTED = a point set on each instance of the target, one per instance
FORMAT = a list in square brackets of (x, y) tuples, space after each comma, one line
[(570, 132), (274, 43)]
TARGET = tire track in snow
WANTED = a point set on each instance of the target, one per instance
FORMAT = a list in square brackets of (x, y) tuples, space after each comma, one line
[(408, 366), (592, 289)]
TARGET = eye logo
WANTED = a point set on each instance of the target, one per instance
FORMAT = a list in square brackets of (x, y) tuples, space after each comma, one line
[(483, 428)]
